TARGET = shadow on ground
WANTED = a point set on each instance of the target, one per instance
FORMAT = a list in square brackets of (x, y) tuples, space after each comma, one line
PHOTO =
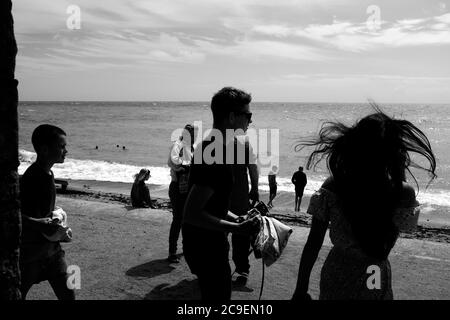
[(241, 288), (151, 269), (129, 207), (184, 290)]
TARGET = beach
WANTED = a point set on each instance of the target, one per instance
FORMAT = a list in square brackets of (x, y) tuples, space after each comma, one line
[(353, 91), (121, 252), (147, 130)]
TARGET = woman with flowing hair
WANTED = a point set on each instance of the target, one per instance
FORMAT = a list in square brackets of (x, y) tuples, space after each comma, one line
[(140, 194), (365, 201)]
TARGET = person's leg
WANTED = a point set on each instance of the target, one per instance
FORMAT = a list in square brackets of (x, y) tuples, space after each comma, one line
[(296, 201), (269, 204), (62, 291), (57, 277), (30, 273), (300, 196), (175, 227), (215, 280), (215, 285), (273, 193), (241, 248), (214, 272), (192, 256), (177, 216)]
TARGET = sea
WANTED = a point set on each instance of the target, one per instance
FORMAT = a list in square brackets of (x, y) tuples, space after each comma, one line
[(112, 141)]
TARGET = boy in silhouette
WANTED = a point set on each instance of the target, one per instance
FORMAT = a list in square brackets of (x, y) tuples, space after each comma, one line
[(40, 258)]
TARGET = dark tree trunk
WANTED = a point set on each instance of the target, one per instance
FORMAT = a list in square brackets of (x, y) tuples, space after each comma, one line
[(10, 222)]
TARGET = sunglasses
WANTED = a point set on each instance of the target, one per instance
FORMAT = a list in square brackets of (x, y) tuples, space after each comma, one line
[(247, 114)]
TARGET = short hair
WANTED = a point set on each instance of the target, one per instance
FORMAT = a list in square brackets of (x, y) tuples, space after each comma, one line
[(300, 168), (44, 135), (228, 100)]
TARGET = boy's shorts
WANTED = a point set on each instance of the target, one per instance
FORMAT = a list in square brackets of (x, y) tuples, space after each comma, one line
[(43, 269)]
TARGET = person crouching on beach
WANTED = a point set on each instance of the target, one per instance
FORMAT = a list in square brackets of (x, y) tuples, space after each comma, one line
[(179, 162), (206, 220), (364, 201), (40, 258), (140, 194)]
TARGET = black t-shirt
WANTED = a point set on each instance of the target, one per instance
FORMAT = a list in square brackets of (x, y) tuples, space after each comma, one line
[(239, 199), (37, 197), (300, 180), (218, 176), (206, 250)]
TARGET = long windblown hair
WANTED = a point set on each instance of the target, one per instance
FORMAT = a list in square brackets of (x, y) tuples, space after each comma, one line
[(368, 163), (141, 175)]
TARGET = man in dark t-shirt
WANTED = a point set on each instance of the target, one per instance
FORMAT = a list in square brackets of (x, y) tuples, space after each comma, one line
[(299, 180), (40, 258), (206, 220)]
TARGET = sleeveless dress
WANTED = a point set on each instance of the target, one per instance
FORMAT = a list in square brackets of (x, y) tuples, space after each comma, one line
[(348, 273)]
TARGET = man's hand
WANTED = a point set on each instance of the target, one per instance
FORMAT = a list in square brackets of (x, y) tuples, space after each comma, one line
[(249, 227), (45, 225), (254, 195), (242, 218), (63, 234), (48, 225)]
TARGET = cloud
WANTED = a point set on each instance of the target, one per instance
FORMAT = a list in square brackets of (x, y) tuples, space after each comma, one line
[(358, 37), (394, 77), (104, 24), (252, 38), (106, 14)]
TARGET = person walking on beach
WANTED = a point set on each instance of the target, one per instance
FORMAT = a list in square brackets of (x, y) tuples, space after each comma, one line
[(179, 162), (40, 258), (299, 180), (207, 220), (365, 201), (272, 177), (140, 194), (240, 204)]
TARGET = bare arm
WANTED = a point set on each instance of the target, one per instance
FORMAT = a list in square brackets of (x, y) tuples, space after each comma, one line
[(40, 224), (232, 217), (309, 257), (254, 180), (196, 214)]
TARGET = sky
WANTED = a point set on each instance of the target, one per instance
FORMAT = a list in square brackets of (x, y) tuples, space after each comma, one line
[(278, 50)]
